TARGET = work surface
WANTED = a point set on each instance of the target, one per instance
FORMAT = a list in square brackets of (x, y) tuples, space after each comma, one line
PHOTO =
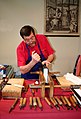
[(46, 113)]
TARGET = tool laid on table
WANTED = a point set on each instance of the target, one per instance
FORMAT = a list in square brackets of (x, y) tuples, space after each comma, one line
[(22, 103), (31, 102), (64, 101), (39, 103), (59, 101), (34, 102), (48, 102), (68, 103), (54, 103), (13, 106), (16, 85), (73, 103)]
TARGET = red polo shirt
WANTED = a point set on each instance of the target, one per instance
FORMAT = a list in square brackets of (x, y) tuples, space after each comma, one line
[(22, 52)]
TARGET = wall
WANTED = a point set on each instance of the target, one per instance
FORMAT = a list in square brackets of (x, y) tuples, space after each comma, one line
[(16, 13)]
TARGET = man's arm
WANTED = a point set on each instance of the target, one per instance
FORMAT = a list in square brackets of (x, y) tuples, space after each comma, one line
[(49, 60), (26, 68)]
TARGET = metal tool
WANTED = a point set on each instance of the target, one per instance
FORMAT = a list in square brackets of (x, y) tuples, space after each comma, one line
[(13, 106)]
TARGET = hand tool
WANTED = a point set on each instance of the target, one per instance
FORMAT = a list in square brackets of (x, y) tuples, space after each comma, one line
[(72, 101), (59, 101), (24, 102), (21, 102), (75, 100), (68, 103), (63, 100), (39, 103), (48, 102), (34, 102), (33, 92), (54, 103), (17, 85), (31, 102), (13, 106)]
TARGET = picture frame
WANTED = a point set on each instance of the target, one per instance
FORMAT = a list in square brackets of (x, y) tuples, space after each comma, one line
[(62, 18)]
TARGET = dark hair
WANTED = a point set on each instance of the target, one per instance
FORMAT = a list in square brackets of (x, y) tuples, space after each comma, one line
[(26, 31)]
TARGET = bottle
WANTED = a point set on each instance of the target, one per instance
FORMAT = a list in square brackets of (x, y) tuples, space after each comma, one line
[(45, 72)]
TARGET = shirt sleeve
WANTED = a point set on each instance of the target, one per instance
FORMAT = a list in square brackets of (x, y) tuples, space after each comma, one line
[(21, 60), (46, 46)]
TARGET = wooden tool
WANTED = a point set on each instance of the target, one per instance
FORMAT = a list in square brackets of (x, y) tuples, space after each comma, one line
[(48, 102), (64, 101), (24, 102), (31, 102), (68, 102), (54, 103), (21, 102), (34, 102), (39, 103), (72, 101), (13, 106), (59, 101)]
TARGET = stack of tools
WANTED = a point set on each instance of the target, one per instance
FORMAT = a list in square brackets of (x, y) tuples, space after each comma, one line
[(7, 71), (63, 101)]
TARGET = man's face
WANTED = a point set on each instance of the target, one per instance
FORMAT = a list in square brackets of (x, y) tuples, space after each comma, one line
[(30, 40)]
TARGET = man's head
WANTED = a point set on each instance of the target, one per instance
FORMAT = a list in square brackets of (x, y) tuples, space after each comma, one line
[(26, 31), (28, 34)]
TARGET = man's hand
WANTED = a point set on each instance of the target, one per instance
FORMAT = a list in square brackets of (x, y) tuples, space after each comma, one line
[(47, 63), (35, 57)]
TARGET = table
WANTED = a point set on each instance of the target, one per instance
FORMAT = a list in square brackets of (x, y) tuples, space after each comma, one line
[(46, 113)]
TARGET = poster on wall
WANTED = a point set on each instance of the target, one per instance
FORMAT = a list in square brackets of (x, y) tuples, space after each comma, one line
[(62, 17)]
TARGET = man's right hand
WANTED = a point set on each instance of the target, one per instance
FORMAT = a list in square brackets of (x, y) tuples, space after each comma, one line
[(35, 57)]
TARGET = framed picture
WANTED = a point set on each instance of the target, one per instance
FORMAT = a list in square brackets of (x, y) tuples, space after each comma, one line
[(62, 17)]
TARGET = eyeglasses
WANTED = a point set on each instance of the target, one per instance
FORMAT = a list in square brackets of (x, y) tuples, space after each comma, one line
[(28, 40)]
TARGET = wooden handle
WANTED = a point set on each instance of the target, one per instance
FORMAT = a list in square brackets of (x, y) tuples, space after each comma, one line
[(72, 101), (55, 101), (51, 99), (24, 102), (58, 100), (48, 102), (68, 102), (15, 102), (21, 102), (63, 100), (39, 102), (34, 102)]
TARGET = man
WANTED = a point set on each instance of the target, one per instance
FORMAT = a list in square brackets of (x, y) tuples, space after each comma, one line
[(33, 52)]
